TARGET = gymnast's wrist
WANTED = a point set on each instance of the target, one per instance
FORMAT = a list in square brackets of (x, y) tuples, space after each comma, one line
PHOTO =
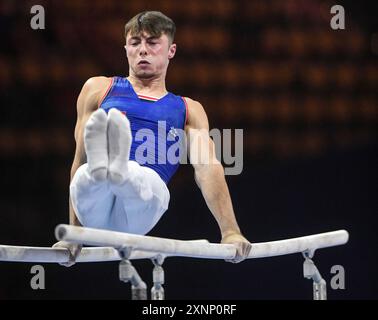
[(229, 232)]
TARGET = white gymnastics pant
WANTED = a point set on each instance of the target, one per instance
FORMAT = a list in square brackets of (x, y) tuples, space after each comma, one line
[(133, 207)]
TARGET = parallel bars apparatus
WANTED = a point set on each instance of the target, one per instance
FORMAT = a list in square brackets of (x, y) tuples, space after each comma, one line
[(116, 246)]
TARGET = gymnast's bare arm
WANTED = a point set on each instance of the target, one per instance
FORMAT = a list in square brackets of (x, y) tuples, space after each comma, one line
[(88, 101), (209, 176)]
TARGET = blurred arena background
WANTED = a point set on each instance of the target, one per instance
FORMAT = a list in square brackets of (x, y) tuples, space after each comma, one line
[(305, 95)]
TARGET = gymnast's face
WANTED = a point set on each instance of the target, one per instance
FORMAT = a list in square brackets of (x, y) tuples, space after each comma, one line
[(148, 56)]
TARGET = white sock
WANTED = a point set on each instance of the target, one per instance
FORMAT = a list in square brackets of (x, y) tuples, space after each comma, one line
[(119, 141), (96, 146)]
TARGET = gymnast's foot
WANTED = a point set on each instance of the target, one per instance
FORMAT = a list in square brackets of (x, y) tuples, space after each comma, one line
[(119, 142), (96, 146)]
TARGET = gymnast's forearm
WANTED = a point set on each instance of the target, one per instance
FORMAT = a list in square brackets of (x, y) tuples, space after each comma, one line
[(212, 182)]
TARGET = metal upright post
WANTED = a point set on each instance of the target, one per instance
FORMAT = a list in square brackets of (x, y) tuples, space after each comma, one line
[(157, 291), (310, 271), (127, 273)]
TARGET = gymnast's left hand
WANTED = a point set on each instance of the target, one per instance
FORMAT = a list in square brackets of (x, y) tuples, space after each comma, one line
[(73, 249), (243, 246)]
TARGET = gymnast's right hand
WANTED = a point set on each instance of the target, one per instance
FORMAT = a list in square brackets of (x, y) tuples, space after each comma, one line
[(73, 249)]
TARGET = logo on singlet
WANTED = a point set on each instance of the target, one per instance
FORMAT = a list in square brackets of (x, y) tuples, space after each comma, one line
[(173, 132)]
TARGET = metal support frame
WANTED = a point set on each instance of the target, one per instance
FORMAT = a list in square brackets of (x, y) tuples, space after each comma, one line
[(310, 271), (157, 291), (127, 273)]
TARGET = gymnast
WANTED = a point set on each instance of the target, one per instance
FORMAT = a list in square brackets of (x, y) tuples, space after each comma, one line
[(114, 184)]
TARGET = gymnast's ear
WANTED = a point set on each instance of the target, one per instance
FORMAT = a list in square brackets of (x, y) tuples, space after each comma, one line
[(172, 50)]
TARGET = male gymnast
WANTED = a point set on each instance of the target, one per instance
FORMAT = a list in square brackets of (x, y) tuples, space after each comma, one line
[(113, 185)]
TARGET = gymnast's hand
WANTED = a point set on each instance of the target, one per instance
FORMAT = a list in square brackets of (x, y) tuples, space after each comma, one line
[(243, 246), (73, 249)]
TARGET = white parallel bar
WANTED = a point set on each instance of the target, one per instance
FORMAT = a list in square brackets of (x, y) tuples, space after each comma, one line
[(196, 248), (61, 255), (171, 247)]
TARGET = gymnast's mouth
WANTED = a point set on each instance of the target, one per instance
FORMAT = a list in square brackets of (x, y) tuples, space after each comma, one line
[(143, 62)]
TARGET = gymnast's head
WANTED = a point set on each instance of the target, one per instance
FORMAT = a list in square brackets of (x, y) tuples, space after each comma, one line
[(149, 44)]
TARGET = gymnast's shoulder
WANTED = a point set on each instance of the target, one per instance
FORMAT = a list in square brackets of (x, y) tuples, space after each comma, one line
[(93, 91), (98, 83), (196, 114)]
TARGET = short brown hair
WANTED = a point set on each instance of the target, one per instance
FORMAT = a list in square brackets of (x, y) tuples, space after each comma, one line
[(153, 22)]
